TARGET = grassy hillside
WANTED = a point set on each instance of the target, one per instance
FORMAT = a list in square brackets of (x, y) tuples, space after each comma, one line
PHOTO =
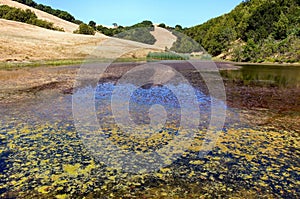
[(57, 22), (256, 31), (56, 12), (25, 16), (21, 42)]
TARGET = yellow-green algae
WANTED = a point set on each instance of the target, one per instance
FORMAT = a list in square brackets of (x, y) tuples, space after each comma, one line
[(50, 161)]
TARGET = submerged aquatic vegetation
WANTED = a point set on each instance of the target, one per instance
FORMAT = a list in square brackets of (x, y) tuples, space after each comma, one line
[(51, 160)]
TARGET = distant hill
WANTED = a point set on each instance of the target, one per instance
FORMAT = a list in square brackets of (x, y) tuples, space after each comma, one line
[(56, 12), (255, 31)]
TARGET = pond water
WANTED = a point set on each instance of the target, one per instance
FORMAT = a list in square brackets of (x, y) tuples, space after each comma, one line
[(275, 75), (42, 155)]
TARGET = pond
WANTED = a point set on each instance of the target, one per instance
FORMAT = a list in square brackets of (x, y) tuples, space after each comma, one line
[(287, 76), (43, 154)]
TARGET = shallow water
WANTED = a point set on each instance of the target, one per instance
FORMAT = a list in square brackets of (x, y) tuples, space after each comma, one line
[(269, 75), (42, 155)]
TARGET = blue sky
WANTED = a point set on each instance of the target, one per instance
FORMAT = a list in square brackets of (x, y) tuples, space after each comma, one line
[(128, 12)]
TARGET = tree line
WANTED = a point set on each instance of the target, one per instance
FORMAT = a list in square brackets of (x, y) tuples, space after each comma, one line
[(256, 31), (25, 16), (56, 12)]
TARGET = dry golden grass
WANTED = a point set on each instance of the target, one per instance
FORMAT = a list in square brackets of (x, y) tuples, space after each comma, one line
[(21, 42), (24, 42), (67, 26)]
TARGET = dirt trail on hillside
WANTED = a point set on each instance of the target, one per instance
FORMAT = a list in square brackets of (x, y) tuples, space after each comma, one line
[(164, 38)]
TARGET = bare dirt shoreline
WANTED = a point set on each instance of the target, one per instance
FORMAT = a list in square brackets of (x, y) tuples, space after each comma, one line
[(21, 79), (258, 105)]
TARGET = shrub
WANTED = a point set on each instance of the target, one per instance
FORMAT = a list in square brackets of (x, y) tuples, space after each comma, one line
[(85, 30), (45, 24)]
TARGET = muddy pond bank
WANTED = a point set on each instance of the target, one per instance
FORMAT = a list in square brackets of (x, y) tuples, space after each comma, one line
[(252, 96)]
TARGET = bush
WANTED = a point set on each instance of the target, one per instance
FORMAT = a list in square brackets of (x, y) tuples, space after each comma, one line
[(45, 24), (85, 30)]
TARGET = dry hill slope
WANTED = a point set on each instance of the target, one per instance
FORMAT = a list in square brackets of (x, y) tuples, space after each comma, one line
[(67, 26), (21, 42), (24, 42)]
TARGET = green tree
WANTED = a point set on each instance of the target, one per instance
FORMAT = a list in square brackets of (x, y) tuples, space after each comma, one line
[(162, 25), (262, 25), (178, 28), (250, 51), (281, 27), (92, 24)]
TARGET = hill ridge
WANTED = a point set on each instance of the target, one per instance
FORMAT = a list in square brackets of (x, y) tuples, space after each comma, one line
[(66, 25), (254, 31)]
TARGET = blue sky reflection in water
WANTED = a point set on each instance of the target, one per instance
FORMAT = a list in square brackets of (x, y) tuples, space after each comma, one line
[(143, 98)]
